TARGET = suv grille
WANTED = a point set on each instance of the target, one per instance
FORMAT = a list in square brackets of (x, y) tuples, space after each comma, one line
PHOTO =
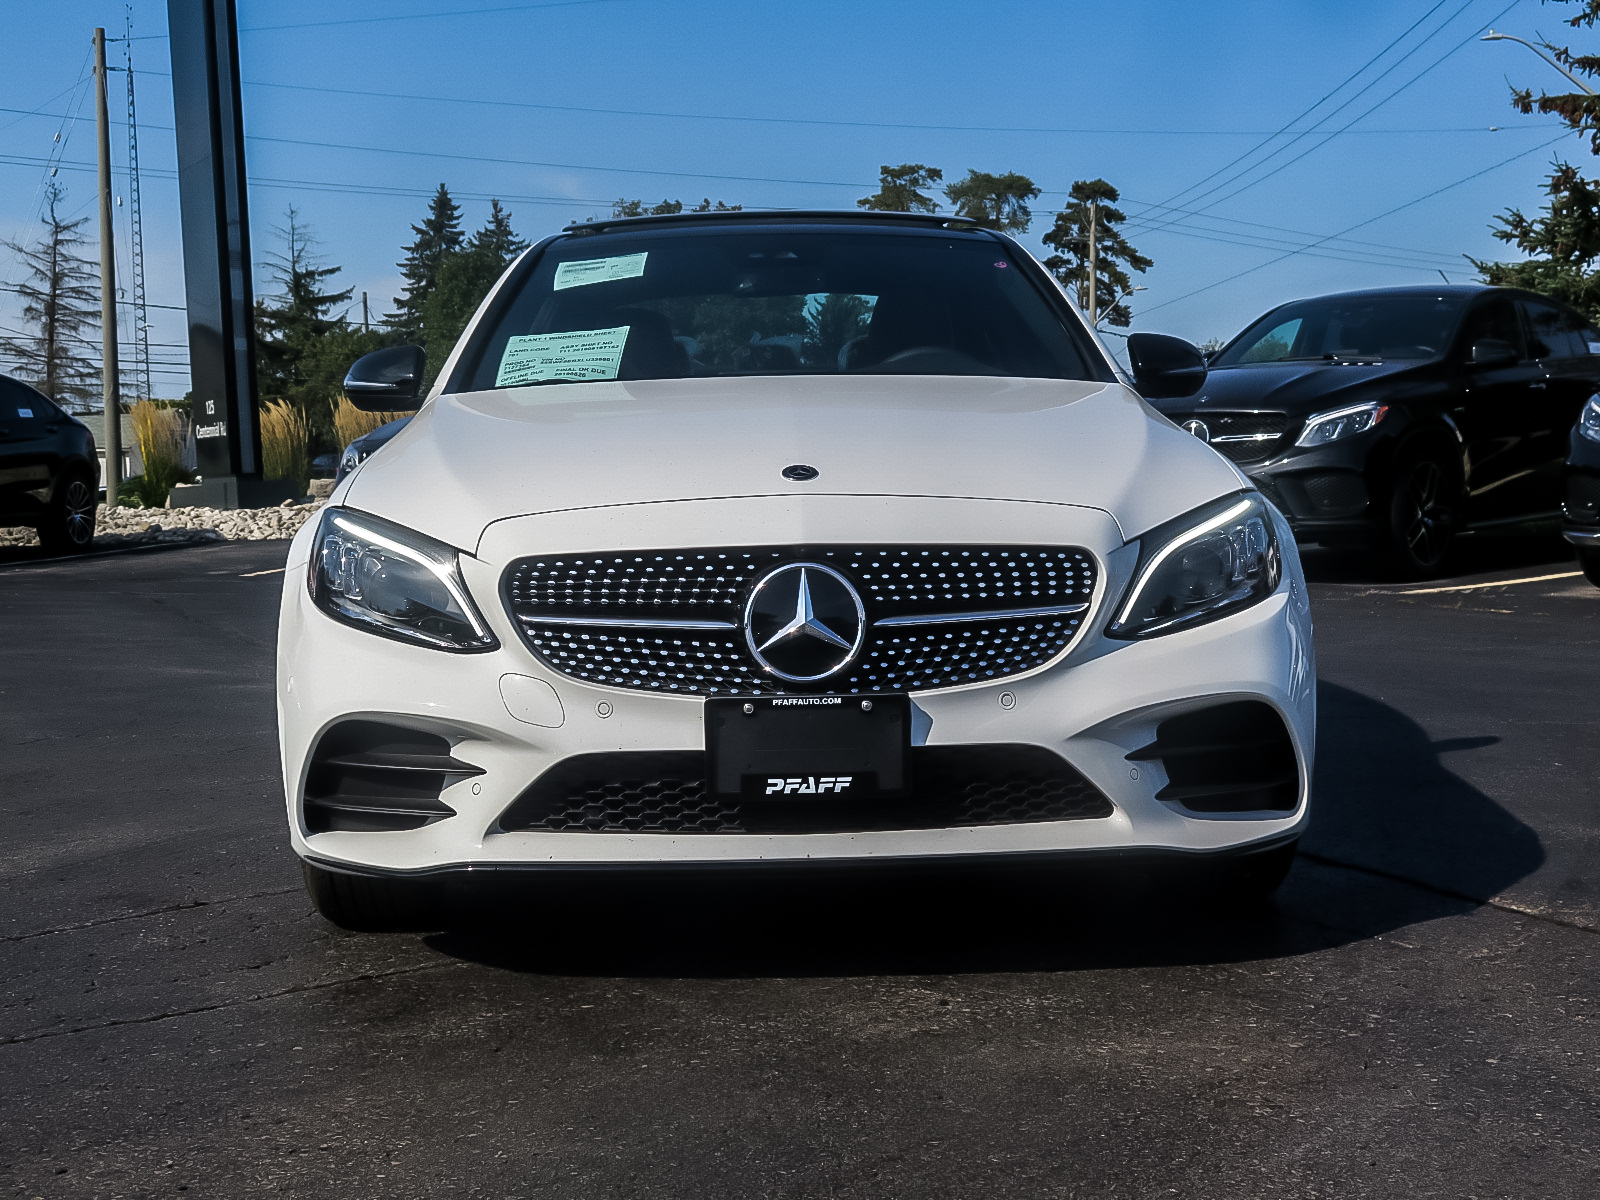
[(953, 787), (1241, 436), (671, 620)]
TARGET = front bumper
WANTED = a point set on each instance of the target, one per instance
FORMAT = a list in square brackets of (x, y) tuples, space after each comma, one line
[(1095, 705)]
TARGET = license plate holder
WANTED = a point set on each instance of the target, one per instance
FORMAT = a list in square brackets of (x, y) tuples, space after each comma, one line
[(799, 748)]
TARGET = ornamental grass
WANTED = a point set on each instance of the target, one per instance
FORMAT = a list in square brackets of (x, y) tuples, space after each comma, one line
[(349, 422), (285, 444)]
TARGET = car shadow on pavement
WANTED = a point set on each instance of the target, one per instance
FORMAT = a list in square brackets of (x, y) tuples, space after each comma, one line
[(1396, 839)]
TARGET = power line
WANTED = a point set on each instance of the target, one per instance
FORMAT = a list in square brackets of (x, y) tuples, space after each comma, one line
[(1358, 225)]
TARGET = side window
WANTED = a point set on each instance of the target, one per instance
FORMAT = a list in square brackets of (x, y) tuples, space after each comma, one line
[(1495, 320), (21, 410), (1553, 332), (1274, 344)]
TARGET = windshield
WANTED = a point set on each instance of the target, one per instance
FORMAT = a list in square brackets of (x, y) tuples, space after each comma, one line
[(669, 304), (1359, 328)]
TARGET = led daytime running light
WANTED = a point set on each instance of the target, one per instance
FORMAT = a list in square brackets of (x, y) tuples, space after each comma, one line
[(1172, 547), (446, 575)]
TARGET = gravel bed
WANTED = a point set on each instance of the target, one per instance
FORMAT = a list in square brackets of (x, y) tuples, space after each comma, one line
[(123, 526)]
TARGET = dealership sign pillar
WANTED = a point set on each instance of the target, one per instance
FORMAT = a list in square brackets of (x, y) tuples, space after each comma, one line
[(216, 250)]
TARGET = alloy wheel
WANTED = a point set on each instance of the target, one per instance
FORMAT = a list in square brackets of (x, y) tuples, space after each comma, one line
[(1426, 516), (79, 505)]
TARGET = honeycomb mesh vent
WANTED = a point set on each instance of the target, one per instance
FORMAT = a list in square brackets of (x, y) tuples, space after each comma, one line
[(566, 608)]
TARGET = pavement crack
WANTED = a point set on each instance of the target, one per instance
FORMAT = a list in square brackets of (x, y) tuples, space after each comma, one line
[(154, 912), (199, 1009), (1450, 893)]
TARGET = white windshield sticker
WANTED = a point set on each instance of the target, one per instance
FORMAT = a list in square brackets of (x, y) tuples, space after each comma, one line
[(1594, 347), (585, 354), (599, 270), (25, 412)]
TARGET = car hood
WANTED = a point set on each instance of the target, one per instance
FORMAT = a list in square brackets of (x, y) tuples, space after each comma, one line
[(1299, 388), (468, 460)]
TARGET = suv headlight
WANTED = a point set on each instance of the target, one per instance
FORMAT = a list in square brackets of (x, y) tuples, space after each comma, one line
[(391, 581), (1589, 422), (1204, 565), (1322, 428)]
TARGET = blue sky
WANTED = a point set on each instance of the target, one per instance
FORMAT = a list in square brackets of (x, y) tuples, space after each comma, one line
[(355, 112)]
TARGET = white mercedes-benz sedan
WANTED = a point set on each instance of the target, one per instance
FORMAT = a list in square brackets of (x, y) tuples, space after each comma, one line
[(738, 539)]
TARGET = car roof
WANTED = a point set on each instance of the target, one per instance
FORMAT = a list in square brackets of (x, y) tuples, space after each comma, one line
[(821, 216)]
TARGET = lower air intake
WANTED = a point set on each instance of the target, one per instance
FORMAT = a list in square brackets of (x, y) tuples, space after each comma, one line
[(1235, 757), (952, 787), (368, 776)]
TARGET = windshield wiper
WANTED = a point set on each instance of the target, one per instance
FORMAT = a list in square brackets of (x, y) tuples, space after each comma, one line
[(1346, 360)]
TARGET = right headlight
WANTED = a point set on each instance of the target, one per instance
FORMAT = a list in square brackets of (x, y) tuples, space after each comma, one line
[(394, 582), (1204, 565), (1324, 427), (1589, 422)]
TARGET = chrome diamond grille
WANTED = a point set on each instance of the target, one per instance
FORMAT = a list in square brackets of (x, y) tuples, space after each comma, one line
[(670, 621)]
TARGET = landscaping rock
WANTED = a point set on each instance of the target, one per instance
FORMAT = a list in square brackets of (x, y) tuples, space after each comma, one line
[(123, 526)]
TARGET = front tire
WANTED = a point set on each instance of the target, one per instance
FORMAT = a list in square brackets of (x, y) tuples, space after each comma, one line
[(364, 904), (1589, 562), (68, 524), (1421, 516)]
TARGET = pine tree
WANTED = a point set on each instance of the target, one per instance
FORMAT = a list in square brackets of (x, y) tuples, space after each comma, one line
[(1090, 206), (897, 189), (496, 241), (438, 236), (303, 345), (61, 303), (463, 279), (1562, 244), (994, 201)]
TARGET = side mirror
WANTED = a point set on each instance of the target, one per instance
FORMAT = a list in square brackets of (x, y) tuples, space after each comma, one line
[(388, 380), (1491, 352), (1165, 368)]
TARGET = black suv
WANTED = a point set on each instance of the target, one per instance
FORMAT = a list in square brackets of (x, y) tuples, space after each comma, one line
[(1400, 417), (49, 476)]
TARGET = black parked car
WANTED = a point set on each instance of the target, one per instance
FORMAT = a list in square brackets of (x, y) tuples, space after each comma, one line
[(358, 451), (1400, 417), (49, 476), (1581, 490)]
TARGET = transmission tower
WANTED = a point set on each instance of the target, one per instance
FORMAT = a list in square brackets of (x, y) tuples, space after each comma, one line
[(141, 324)]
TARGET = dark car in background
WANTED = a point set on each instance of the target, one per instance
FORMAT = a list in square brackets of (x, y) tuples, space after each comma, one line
[(49, 476), (358, 451), (1400, 417), (1580, 504)]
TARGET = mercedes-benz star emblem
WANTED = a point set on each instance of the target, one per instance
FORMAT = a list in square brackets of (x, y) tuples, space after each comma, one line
[(1199, 429), (804, 622)]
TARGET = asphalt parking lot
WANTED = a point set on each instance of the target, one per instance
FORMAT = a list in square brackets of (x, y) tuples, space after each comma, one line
[(1414, 1016)]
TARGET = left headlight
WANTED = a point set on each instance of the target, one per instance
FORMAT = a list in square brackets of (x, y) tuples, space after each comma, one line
[(1204, 565), (1324, 427), (1589, 422), (393, 582)]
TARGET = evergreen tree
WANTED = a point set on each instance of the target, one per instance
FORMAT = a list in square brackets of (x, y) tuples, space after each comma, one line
[(303, 346), (838, 319), (897, 189), (437, 237), (1563, 242), (464, 278), (61, 303), (994, 201), (1090, 207)]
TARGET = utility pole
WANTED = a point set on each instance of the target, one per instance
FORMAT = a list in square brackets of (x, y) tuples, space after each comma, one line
[(366, 325), (1094, 263), (108, 280)]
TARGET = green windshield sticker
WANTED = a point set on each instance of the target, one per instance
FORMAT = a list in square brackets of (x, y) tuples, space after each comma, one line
[(599, 270), (580, 356)]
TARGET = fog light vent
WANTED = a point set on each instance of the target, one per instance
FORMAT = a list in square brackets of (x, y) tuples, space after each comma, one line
[(368, 776), (1235, 757)]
